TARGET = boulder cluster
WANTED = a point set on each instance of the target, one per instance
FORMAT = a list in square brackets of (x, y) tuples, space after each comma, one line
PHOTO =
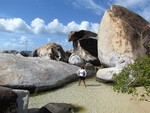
[(122, 37)]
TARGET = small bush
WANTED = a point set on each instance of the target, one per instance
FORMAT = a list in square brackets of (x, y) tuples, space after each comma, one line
[(133, 75)]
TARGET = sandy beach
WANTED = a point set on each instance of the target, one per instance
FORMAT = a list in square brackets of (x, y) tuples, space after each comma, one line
[(95, 98)]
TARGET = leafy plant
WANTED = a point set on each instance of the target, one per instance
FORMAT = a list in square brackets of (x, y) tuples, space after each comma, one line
[(134, 75)]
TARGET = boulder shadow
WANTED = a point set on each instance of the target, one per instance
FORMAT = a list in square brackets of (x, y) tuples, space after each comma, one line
[(33, 110), (93, 85)]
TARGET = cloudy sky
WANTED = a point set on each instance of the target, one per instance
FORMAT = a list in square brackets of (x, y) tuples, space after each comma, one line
[(28, 24)]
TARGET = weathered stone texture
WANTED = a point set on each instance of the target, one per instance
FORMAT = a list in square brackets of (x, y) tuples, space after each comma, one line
[(119, 36)]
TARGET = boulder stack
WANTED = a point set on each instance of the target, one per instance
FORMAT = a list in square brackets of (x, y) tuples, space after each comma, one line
[(84, 46)]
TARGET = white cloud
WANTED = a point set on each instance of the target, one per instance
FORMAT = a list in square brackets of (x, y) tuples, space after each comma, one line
[(23, 43), (131, 3), (72, 26), (65, 44), (146, 13), (23, 39), (84, 25), (90, 5), (55, 27), (142, 7), (48, 40), (14, 25), (38, 26), (94, 27), (138, 6), (2, 27)]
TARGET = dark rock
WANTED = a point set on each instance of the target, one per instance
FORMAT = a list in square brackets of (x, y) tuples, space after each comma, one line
[(69, 52), (10, 51), (26, 53), (90, 69), (85, 46), (22, 100), (57, 108), (82, 34), (8, 101)]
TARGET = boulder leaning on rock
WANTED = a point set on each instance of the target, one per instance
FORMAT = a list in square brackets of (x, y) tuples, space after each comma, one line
[(84, 46)]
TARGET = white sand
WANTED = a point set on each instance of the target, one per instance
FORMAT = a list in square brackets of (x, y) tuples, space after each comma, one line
[(95, 98)]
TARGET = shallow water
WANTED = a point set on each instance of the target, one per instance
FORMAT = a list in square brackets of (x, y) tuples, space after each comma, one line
[(95, 98)]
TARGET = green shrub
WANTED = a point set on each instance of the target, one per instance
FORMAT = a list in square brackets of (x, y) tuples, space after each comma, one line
[(134, 75)]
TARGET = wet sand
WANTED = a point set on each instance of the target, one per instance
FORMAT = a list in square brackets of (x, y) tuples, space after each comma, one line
[(95, 98)]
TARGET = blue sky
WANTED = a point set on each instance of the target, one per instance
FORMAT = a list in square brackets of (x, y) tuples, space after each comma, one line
[(28, 24)]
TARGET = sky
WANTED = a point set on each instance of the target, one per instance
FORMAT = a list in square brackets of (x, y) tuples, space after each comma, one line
[(29, 24)]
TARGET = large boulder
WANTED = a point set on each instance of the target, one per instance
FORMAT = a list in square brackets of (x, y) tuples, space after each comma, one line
[(34, 74), (23, 53), (9, 51), (84, 46), (58, 108), (90, 69), (51, 51), (106, 74), (76, 59), (121, 36), (22, 100), (8, 101), (26, 53), (69, 52)]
